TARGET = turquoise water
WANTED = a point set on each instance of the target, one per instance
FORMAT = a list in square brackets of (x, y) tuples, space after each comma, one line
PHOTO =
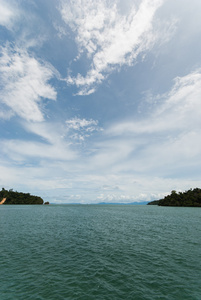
[(100, 252)]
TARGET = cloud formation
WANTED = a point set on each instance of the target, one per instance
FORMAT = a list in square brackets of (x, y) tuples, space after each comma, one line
[(45, 144), (8, 14), (82, 128), (151, 139), (169, 138), (24, 82), (110, 39), (176, 111)]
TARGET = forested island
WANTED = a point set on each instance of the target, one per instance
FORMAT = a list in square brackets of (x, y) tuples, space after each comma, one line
[(11, 197), (190, 198)]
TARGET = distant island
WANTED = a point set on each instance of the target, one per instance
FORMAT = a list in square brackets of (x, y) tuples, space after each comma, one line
[(11, 197), (190, 198)]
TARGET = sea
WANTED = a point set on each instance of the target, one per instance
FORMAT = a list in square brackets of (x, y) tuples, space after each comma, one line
[(85, 252)]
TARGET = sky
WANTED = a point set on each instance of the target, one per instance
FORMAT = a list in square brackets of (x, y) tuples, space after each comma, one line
[(100, 101)]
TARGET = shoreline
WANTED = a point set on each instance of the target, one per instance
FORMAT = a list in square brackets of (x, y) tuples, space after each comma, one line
[(3, 201)]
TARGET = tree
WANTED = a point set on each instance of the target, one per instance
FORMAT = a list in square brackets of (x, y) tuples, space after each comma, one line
[(19, 198), (187, 198)]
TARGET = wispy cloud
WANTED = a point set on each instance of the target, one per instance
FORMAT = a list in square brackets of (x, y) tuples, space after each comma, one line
[(174, 112), (69, 156), (109, 38), (81, 128), (19, 150), (77, 124), (8, 13), (45, 143), (24, 83), (168, 139)]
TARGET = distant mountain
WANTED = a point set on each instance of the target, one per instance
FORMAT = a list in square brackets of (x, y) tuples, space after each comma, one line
[(18, 198), (190, 198)]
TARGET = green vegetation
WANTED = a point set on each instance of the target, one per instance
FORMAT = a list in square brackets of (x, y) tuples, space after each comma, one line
[(191, 198), (19, 198)]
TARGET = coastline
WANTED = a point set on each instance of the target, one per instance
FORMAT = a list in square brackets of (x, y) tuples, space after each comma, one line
[(3, 201)]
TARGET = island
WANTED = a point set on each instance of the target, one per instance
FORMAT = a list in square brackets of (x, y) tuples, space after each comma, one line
[(190, 198), (10, 197)]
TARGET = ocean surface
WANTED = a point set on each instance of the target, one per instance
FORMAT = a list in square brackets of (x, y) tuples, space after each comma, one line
[(100, 252)]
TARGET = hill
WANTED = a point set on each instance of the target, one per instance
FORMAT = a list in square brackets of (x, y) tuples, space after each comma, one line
[(18, 198), (190, 198)]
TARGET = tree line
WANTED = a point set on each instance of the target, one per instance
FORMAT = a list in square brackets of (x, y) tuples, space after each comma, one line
[(190, 198), (19, 197)]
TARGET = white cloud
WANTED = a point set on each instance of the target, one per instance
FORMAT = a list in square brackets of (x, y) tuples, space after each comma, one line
[(46, 142), (168, 140), (125, 198), (49, 132), (8, 14), (176, 111), (19, 150), (129, 161), (78, 124), (82, 128), (24, 82), (109, 38), (61, 30), (110, 154), (5, 113)]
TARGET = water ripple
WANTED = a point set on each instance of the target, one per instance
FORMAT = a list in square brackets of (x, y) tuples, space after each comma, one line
[(100, 252)]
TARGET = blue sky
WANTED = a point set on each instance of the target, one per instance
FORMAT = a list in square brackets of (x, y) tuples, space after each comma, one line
[(100, 101)]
